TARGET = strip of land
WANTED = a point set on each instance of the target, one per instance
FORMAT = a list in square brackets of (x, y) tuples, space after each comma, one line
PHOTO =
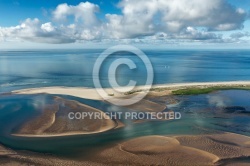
[(157, 90)]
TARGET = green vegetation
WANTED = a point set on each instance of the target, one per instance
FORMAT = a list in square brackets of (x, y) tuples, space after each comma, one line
[(152, 89), (159, 89), (195, 91)]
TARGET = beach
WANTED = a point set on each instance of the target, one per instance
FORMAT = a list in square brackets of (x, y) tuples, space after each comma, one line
[(91, 93)]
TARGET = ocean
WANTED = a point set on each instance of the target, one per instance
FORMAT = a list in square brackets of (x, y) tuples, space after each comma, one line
[(39, 68)]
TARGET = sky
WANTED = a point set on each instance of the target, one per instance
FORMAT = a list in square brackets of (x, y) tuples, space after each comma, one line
[(40, 24)]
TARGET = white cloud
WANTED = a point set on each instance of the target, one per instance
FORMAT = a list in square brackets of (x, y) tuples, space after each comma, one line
[(33, 30), (146, 17), (84, 12), (139, 20), (47, 27)]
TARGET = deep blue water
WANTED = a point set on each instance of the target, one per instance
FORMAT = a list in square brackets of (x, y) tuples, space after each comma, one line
[(25, 69)]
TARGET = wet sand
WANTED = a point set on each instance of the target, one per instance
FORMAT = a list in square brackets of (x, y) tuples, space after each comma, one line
[(213, 149), (145, 105), (55, 122)]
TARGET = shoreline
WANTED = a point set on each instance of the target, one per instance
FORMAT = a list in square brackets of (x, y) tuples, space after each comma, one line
[(59, 135), (91, 93)]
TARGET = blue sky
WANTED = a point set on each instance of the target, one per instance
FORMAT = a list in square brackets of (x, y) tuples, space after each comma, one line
[(42, 9), (155, 23)]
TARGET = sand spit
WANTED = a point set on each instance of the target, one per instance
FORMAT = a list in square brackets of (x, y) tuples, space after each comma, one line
[(54, 121), (91, 93)]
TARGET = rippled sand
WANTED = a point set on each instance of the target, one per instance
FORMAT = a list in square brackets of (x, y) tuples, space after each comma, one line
[(197, 150), (179, 150), (147, 106), (54, 121), (156, 150)]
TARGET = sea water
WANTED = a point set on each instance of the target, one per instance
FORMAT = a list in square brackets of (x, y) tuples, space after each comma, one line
[(201, 114), (39, 68), (28, 69)]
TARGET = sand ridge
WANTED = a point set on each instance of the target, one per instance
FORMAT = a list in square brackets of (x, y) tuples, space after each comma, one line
[(178, 150), (156, 150), (54, 121)]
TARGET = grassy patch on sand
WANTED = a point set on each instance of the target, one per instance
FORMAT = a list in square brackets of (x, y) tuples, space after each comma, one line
[(192, 90), (198, 90), (141, 90)]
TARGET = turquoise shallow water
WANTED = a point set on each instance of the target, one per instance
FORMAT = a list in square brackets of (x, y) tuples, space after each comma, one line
[(201, 114)]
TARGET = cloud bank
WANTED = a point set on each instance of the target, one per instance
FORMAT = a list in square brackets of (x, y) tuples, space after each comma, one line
[(193, 20)]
